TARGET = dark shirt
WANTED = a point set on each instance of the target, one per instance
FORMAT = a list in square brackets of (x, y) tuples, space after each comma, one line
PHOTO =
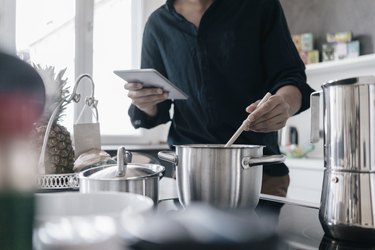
[(241, 50)]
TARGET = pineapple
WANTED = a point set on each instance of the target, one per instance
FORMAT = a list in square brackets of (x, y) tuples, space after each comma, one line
[(59, 156)]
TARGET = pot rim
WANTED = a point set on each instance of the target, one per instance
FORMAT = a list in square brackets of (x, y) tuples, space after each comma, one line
[(219, 146), (157, 172), (360, 80)]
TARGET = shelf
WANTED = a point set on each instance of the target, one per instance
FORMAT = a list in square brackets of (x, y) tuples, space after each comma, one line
[(358, 62)]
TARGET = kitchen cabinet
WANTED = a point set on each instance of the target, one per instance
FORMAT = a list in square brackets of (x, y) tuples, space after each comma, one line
[(306, 179)]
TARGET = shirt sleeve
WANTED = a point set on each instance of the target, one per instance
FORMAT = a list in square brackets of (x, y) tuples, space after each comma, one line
[(283, 65), (150, 58)]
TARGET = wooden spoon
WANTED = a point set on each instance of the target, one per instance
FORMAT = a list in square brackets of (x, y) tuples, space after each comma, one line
[(244, 123)]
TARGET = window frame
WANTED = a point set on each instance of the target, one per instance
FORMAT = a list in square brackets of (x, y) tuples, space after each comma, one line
[(84, 21)]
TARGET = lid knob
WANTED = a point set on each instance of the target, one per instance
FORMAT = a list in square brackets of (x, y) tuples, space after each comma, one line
[(123, 158)]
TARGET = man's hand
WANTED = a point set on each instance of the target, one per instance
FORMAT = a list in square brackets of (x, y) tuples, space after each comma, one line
[(274, 113), (146, 99)]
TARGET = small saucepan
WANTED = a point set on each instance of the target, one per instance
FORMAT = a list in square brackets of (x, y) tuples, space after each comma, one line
[(124, 177), (225, 177)]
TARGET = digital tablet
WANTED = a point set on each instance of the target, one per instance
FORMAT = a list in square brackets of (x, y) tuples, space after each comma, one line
[(152, 78)]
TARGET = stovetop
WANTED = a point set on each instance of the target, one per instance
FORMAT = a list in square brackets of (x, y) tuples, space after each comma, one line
[(297, 224)]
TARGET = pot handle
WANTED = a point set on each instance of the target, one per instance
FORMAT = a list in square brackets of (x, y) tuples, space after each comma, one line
[(248, 161), (314, 100), (168, 156)]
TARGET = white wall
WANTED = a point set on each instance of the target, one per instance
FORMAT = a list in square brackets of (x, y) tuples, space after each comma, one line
[(150, 5), (8, 22)]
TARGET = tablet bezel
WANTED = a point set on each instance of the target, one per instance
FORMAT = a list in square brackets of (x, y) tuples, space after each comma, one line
[(152, 78)]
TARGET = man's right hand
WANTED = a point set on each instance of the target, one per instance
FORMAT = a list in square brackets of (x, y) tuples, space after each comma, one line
[(146, 99)]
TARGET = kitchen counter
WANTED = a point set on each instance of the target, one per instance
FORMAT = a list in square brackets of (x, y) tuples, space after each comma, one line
[(297, 221)]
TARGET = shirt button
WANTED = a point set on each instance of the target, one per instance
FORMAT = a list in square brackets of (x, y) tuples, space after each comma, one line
[(137, 122)]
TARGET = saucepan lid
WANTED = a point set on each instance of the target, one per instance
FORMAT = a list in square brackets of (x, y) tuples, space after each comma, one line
[(124, 170)]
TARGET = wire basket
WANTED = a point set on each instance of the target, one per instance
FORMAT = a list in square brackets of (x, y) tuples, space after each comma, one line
[(58, 181)]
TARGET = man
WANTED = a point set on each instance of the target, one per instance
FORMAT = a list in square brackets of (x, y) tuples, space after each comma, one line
[(225, 55)]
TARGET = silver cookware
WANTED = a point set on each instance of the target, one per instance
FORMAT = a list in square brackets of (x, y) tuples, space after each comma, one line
[(124, 177), (226, 177), (348, 196)]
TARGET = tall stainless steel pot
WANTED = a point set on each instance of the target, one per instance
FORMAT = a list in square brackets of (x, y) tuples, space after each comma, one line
[(124, 177), (347, 209), (226, 177)]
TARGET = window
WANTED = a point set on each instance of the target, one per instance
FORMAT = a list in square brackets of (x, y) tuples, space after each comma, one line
[(94, 37), (112, 49), (45, 35)]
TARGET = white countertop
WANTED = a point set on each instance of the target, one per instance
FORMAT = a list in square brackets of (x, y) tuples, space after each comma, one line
[(310, 163)]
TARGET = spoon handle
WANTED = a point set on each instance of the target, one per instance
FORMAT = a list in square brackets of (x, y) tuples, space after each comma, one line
[(244, 123)]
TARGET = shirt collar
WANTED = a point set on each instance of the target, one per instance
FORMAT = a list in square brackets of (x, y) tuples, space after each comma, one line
[(169, 5)]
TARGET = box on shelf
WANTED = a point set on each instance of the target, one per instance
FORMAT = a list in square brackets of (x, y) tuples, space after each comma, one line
[(339, 51), (310, 56), (307, 42), (328, 52), (313, 56), (303, 56), (353, 49), (339, 37), (305, 46), (340, 46), (297, 41)]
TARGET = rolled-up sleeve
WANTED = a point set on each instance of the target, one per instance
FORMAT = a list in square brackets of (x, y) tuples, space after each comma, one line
[(283, 65)]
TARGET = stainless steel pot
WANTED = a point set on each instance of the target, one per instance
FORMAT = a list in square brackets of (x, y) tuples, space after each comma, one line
[(347, 209), (227, 177), (349, 123), (124, 177)]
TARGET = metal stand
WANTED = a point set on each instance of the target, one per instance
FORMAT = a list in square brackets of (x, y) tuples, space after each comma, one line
[(63, 181)]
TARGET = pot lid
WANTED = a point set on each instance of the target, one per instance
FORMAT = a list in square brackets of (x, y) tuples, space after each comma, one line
[(125, 171), (133, 171), (351, 81), (219, 146)]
